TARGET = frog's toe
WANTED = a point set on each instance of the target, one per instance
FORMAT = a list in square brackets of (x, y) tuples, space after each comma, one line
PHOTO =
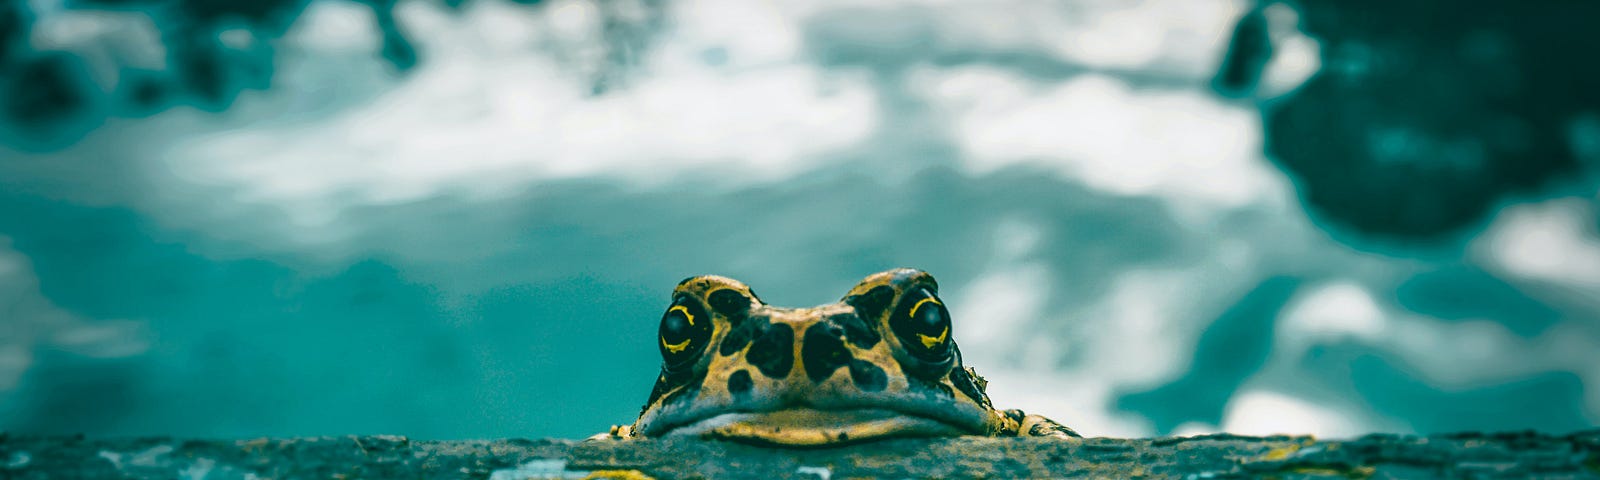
[(618, 432)]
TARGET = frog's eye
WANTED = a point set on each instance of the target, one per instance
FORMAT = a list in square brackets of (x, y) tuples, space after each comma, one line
[(923, 326), (685, 329)]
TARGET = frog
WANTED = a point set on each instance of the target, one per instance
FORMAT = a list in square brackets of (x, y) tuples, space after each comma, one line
[(880, 363)]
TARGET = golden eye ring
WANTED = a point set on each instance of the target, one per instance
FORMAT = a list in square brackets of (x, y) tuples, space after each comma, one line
[(675, 347), (930, 342), (920, 303), (686, 315)]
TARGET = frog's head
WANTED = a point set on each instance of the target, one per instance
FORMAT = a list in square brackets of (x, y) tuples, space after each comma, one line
[(879, 363)]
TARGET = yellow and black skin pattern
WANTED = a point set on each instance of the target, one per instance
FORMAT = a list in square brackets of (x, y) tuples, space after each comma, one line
[(879, 363)]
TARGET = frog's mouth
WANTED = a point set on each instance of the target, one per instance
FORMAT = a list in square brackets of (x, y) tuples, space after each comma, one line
[(813, 427)]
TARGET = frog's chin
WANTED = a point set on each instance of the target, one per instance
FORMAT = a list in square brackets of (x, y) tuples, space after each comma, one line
[(808, 427)]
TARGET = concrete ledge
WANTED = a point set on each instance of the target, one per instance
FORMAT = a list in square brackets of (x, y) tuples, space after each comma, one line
[(1467, 455)]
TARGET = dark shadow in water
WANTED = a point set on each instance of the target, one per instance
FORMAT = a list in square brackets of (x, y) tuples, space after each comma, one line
[(1550, 401), (237, 345), (1462, 292), (1426, 115), (1233, 347), (71, 394)]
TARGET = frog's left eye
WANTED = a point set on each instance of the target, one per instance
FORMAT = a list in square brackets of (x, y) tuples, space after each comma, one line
[(685, 329), (923, 326)]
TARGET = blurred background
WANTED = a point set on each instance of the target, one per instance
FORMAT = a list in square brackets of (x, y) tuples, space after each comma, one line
[(463, 218)]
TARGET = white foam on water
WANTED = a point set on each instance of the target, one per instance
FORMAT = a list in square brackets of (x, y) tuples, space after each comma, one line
[(491, 110), (1264, 412), (1179, 145), (1553, 241)]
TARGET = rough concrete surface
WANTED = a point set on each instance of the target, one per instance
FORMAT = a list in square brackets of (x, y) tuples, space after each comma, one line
[(1467, 455)]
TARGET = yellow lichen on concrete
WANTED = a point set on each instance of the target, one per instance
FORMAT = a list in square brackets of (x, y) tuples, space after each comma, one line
[(617, 475), (1279, 454)]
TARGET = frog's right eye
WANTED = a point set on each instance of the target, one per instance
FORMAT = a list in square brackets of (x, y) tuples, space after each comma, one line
[(685, 330), (922, 324)]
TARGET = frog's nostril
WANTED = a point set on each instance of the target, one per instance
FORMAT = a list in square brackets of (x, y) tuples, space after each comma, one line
[(740, 382), (867, 376)]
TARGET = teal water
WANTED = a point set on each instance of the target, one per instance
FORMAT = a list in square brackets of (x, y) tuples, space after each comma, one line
[(464, 222)]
